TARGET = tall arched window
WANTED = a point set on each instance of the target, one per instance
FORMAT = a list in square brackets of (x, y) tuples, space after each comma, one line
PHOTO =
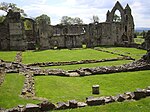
[(117, 16)]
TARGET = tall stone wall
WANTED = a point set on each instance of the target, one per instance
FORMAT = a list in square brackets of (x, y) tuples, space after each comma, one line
[(44, 34), (15, 37), (4, 37)]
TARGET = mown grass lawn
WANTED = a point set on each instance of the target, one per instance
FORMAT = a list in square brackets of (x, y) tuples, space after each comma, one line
[(57, 88), (64, 55), (10, 91), (133, 52), (139, 40), (8, 55)]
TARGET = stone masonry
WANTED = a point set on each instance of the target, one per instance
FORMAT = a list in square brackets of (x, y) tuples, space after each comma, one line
[(13, 35)]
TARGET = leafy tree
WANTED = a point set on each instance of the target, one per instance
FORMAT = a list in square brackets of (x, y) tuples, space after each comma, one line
[(43, 17), (95, 19), (65, 20), (2, 18), (77, 20), (116, 18), (27, 25), (6, 6)]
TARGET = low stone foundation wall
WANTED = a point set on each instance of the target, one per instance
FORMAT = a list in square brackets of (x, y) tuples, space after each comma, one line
[(28, 89), (90, 101), (18, 57), (2, 76), (13, 67), (45, 64), (134, 66)]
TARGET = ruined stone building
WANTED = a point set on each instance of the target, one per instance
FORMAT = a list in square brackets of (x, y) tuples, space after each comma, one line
[(13, 35)]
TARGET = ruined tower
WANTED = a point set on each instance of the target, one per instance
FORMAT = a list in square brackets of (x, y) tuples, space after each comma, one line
[(126, 23)]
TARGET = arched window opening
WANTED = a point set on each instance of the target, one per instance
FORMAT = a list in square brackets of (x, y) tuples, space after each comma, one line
[(117, 16), (125, 28), (28, 25)]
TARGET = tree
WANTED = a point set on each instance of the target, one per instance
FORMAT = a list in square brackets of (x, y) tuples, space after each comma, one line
[(65, 20), (95, 19), (77, 20), (7, 6), (2, 18), (27, 25), (43, 17), (116, 18)]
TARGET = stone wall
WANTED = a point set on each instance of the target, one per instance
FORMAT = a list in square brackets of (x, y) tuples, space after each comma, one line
[(45, 105), (4, 37), (46, 36), (146, 43)]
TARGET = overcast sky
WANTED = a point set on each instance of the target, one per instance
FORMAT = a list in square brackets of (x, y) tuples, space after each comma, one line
[(84, 9)]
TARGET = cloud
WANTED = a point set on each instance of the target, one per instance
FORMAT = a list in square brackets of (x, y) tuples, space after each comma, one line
[(84, 9)]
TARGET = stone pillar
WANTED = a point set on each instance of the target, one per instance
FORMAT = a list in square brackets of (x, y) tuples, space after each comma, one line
[(95, 89)]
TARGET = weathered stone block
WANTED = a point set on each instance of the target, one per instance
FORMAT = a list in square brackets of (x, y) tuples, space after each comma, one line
[(46, 106), (147, 92), (128, 95), (120, 98), (13, 110), (109, 99), (73, 104), (21, 108), (139, 94), (81, 104), (95, 101), (32, 108), (62, 105), (95, 89)]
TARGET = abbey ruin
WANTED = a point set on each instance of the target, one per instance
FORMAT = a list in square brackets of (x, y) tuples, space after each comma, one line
[(13, 35)]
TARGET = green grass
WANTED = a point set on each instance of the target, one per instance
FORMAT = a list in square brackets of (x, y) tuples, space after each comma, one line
[(139, 36), (142, 105), (133, 52), (10, 91), (73, 67), (64, 55), (8, 55), (57, 88), (138, 40)]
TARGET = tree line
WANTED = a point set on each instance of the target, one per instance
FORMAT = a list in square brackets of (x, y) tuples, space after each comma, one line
[(65, 20)]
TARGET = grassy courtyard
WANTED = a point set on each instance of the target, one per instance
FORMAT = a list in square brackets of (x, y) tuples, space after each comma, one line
[(133, 52), (10, 91), (57, 88), (8, 55), (64, 55)]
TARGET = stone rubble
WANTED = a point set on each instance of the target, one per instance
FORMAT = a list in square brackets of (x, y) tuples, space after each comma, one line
[(46, 64), (18, 57), (90, 101), (14, 67), (28, 89)]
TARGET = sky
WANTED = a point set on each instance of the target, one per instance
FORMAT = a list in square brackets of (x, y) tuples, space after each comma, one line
[(84, 9)]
